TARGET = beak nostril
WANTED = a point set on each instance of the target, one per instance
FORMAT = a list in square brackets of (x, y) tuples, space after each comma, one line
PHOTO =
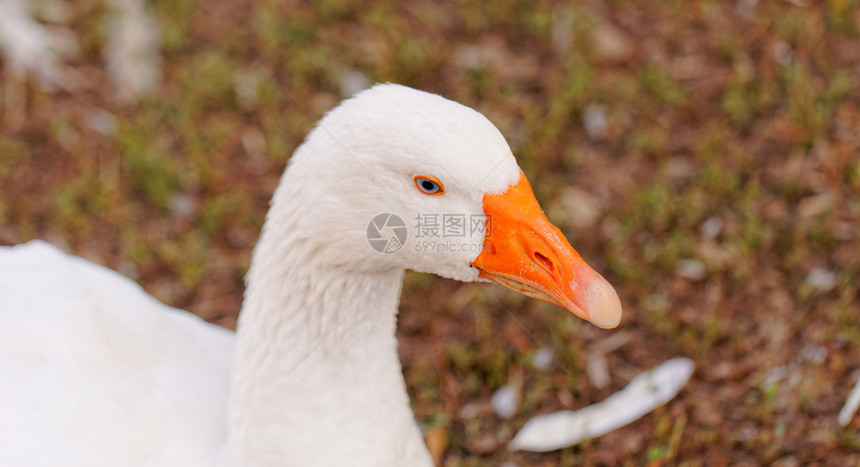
[(545, 262), (489, 248)]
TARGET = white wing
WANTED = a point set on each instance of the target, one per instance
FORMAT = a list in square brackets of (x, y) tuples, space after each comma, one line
[(93, 371)]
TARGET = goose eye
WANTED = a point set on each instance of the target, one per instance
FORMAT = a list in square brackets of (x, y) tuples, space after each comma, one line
[(428, 185)]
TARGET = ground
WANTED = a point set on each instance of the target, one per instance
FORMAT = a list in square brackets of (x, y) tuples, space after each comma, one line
[(701, 154)]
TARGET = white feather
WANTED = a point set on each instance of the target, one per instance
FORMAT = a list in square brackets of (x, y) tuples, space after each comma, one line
[(131, 51), (643, 394), (133, 61), (850, 406), (30, 47)]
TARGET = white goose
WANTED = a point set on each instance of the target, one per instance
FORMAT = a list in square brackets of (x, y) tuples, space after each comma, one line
[(95, 372)]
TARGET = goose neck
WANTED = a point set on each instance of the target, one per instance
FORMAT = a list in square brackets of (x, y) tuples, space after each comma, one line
[(317, 379)]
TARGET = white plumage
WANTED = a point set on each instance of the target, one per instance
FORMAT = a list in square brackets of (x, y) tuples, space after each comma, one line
[(95, 371)]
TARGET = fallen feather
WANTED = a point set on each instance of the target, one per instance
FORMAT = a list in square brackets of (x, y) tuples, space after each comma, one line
[(597, 369), (29, 46), (504, 401), (543, 358), (850, 406), (596, 366), (133, 59), (822, 279), (645, 392)]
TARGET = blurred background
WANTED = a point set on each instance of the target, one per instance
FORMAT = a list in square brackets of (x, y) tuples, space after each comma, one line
[(703, 155)]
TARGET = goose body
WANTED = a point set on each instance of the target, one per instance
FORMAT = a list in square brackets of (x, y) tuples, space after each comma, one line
[(96, 372)]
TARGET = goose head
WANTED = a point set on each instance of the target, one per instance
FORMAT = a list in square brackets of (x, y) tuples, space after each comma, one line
[(396, 178)]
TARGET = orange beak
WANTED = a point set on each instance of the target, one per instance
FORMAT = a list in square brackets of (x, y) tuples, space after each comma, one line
[(524, 252)]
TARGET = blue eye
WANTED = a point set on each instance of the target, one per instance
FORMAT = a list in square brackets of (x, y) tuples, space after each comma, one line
[(428, 185)]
